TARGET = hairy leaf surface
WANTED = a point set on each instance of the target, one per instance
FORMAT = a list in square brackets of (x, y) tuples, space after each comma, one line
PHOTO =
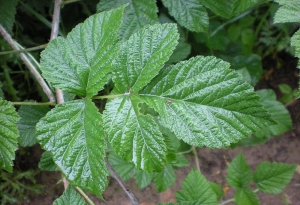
[(204, 103), (273, 177), (80, 63), (196, 190), (8, 11), (278, 112), (239, 173), (189, 13), (287, 12), (70, 196), (8, 134), (73, 133), (30, 116), (138, 14)]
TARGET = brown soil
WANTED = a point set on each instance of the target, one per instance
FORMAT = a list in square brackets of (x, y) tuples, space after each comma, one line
[(213, 162)]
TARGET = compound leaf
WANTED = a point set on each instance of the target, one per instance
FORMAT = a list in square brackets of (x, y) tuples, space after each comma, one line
[(164, 179), (73, 133), (47, 162), (239, 173), (204, 103), (189, 13), (273, 177), (70, 196), (143, 55), (138, 14), (278, 112), (8, 134), (245, 196), (8, 11), (196, 190), (287, 12), (30, 116), (80, 64)]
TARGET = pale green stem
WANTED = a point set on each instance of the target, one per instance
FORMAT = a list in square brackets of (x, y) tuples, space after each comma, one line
[(227, 201), (34, 103), (196, 158), (85, 196), (24, 50), (107, 96), (185, 152)]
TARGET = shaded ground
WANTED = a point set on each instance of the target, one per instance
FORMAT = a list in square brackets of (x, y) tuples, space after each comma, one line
[(213, 162)]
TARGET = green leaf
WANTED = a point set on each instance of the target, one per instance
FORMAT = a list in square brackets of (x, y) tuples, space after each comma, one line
[(30, 116), (8, 11), (188, 13), (138, 14), (245, 196), (217, 189), (239, 173), (133, 136), (204, 103), (143, 55), (70, 196), (287, 12), (181, 161), (1, 92), (124, 169), (219, 7), (239, 6), (273, 177), (295, 41), (85, 57), (73, 133), (143, 179), (163, 180), (196, 190), (278, 112), (47, 162), (8, 134)]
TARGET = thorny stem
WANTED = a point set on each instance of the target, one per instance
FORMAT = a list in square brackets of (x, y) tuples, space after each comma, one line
[(24, 50), (54, 34), (29, 65), (121, 183), (196, 158), (85, 196), (34, 103)]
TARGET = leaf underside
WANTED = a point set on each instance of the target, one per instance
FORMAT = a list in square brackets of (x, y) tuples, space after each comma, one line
[(73, 133), (287, 12), (8, 134)]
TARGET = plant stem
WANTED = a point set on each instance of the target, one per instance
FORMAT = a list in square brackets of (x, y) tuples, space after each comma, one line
[(107, 96), (33, 103), (29, 65), (196, 158), (227, 201), (85, 196), (9, 82), (121, 183), (187, 151), (24, 50)]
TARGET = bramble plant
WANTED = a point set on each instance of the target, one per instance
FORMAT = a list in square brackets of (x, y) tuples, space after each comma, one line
[(155, 102)]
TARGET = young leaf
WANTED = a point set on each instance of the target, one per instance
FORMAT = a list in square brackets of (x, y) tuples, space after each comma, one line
[(143, 179), (80, 64), (273, 177), (278, 112), (245, 196), (239, 173), (123, 168), (189, 13), (47, 162), (138, 14), (196, 190), (205, 103), (163, 180), (73, 133), (70, 196), (8, 11), (30, 115), (8, 134), (287, 12)]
